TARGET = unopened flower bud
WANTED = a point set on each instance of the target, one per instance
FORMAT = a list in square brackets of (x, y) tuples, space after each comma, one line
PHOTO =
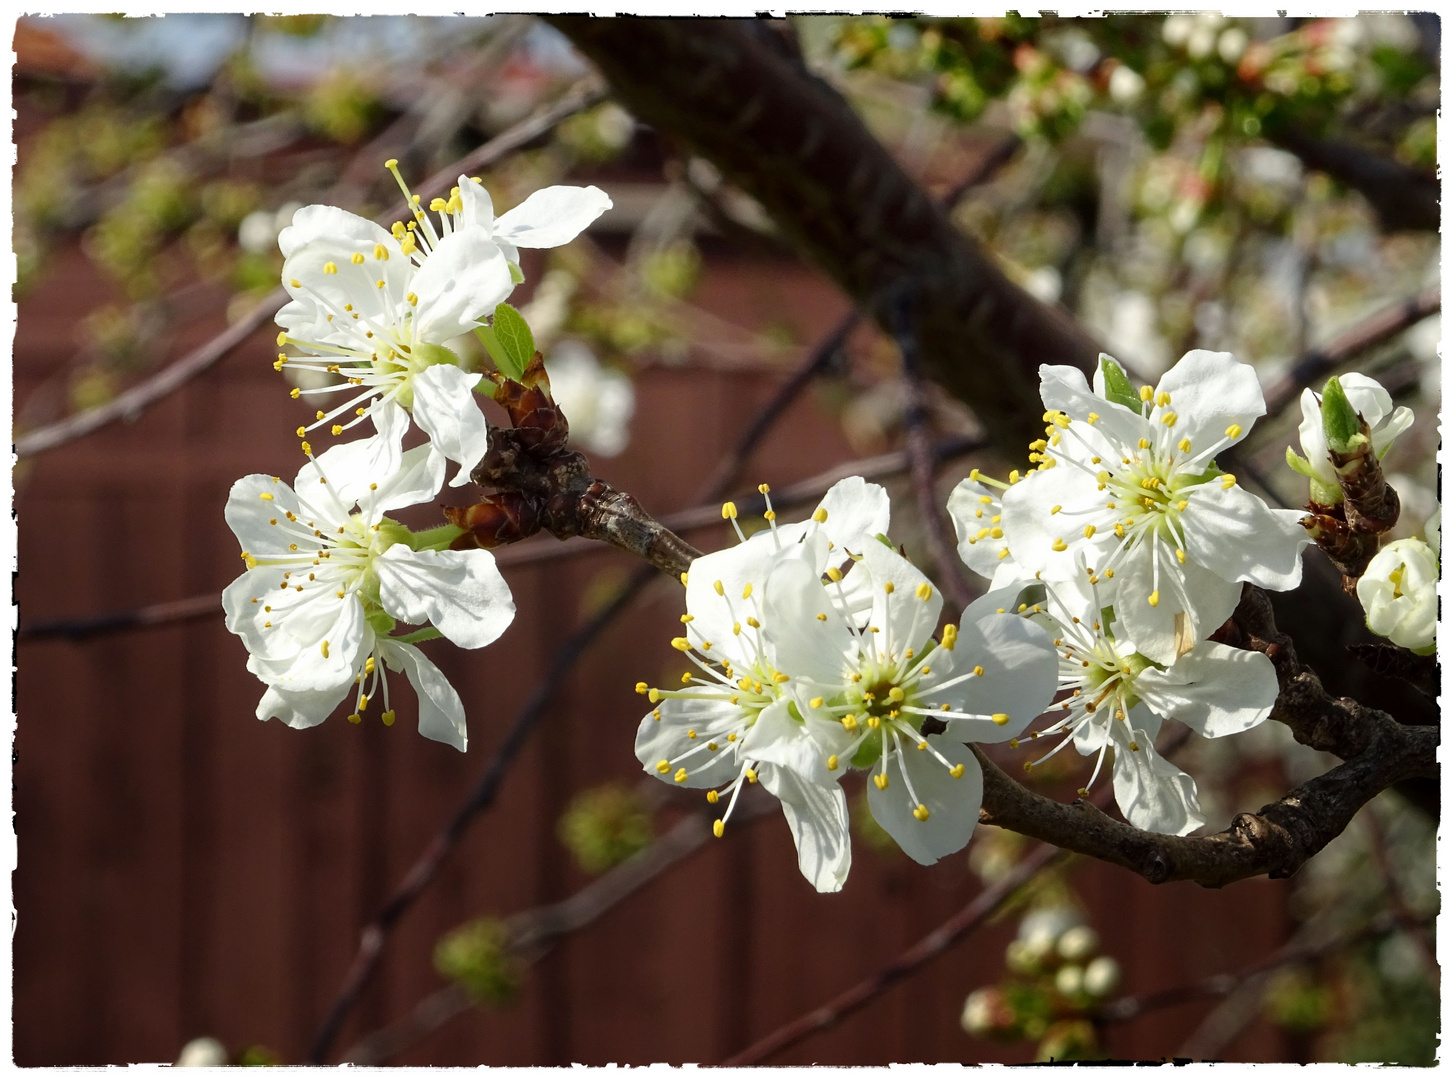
[(1078, 943), (1102, 975)]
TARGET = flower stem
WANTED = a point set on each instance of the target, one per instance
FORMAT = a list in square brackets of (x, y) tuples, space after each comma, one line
[(436, 539), (426, 634)]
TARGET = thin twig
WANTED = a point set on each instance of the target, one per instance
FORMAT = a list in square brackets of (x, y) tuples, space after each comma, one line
[(130, 405), (969, 918), (527, 553), (1358, 339), (530, 935), (370, 948), (937, 530)]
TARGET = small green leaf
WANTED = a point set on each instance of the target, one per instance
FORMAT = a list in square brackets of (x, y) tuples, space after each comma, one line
[(1117, 386), (509, 342), (1340, 421), (1299, 464)]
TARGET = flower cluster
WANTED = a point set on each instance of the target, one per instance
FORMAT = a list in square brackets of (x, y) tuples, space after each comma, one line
[(330, 575), (1130, 545), (817, 651)]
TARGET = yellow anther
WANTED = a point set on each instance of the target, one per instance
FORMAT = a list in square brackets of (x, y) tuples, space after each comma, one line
[(680, 776), (751, 775), (1089, 531), (881, 779), (834, 574), (337, 429), (888, 587), (1169, 419), (996, 533), (437, 204), (1000, 718), (266, 496), (822, 616), (747, 591), (718, 826), (956, 772), (1013, 744), (325, 650), (718, 586), (641, 688), (763, 489), (1146, 393), (921, 812), (874, 722), (780, 677), (663, 766), (753, 623), (736, 628), (1183, 504), (986, 499), (950, 636), (732, 737), (850, 722), (1180, 556), (356, 258), (815, 703), (819, 515), (832, 762), (1184, 446), (1153, 599), (354, 718), (1234, 431), (1056, 508), (684, 577), (1120, 532), (981, 534), (923, 592), (1109, 573), (1144, 444), (728, 510), (712, 797), (362, 702), (1059, 544), (300, 433), (1163, 398), (1228, 482), (1014, 476)]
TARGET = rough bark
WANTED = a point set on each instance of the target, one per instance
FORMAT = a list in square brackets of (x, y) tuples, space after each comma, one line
[(794, 144)]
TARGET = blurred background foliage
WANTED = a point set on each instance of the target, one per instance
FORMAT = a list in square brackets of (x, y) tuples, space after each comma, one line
[(1158, 195)]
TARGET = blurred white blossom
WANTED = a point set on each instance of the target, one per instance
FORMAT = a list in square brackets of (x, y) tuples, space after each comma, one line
[(597, 401)]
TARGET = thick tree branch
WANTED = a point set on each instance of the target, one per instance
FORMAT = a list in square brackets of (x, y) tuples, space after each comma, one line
[(1403, 198), (795, 145)]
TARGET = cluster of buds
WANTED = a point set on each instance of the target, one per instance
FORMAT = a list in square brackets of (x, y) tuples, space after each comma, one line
[(1344, 436), (1057, 978)]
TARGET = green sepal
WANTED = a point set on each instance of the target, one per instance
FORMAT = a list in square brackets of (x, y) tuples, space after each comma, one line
[(428, 633), (517, 276), (515, 342), (1340, 422), (436, 539), (871, 749), (1299, 464), (1323, 493), (1117, 385), (380, 621)]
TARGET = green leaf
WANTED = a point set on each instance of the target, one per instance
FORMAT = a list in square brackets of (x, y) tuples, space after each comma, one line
[(515, 340), (1340, 422), (1117, 386), (1299, 464)]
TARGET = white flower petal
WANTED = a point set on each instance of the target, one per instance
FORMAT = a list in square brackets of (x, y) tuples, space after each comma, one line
[(318, 222), (1211, 600), (300, 709), (857, 512), (461, 282), (972, 507), (1238, 537), (478, 206), (1064, 388), (818, 818), (906, 616), (953, 804), (1209, 392), (1049, 509), (460, 592), (779, 739), (1152, 793), (1399, 593), (441, 713), (552, 216), (802, 645), (445, 408), (1019, 679), (249, 515), (348, 639), (1214, 689), (714, 615), (668, 738), (418, 479)]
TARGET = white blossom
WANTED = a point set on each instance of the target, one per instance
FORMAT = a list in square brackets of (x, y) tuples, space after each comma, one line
[(1372, 403), (975, 506), (328, 573), (1118, 696), (1134, 494), (374, 307), (731, 722), (1399, 591)]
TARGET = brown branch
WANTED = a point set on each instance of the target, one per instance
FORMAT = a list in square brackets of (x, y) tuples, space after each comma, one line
[(1377, 752), (795, 145), (529, 552), (1317, 364), (969, 918), (530, 935), (1402, 197), (937, 531), (130, 404)]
